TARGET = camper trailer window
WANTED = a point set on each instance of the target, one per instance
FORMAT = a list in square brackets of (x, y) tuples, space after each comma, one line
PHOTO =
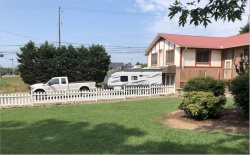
[(124, 78), (134, 78)]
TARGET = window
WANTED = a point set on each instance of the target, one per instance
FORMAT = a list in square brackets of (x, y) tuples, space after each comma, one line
[(245, 53), (170, 56), (154, 59), (63, 80), (134, 78), (202, 56), (54, 81), (124, 79)]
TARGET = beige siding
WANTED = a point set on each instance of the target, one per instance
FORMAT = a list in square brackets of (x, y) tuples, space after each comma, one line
[(161, 50), (166, 45), (189, 57), (216, 58), (177, 56), (161, 47), (154, 49), (171, 46)]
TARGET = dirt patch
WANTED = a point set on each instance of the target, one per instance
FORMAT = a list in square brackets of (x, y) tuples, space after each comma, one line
[(230, 120)]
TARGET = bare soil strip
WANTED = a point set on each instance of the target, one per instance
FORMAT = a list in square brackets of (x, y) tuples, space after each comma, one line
[(231, 120)]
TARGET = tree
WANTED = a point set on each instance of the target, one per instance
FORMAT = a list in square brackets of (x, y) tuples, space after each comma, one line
[(229, 10), (98, 62), (243, 66), (143, 65), (39, 64), (27, 62), (239, 87), (244, 29)]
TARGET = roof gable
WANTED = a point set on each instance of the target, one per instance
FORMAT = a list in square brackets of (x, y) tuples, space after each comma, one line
[(204, 41)]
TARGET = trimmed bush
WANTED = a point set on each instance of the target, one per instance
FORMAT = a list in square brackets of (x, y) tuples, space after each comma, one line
[(240, 90), (206, 84), (202, 105)]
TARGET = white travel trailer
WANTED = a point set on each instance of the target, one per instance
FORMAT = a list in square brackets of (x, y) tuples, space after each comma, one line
[(133, 77)]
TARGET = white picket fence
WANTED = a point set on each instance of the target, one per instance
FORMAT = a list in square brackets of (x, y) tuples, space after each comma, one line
[(81, 96)]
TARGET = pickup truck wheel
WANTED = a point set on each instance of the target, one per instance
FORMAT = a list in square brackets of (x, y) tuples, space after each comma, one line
[(38, 97), (84, 89)]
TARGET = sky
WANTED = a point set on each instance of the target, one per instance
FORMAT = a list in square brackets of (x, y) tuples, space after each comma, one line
[(124, 27)]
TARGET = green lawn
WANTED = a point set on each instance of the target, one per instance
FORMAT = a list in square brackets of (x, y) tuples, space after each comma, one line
[(122, 127)]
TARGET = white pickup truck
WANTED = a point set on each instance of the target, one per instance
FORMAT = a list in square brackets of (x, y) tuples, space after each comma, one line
[(60, 84)]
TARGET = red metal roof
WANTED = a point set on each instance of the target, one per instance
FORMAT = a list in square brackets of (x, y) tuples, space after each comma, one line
[(208, 42)]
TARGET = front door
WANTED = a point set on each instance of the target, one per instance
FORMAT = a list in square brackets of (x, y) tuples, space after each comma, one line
[(169, 79), (228, 69), (228, 56)]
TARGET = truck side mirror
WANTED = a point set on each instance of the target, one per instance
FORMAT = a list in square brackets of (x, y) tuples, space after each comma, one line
[(49, 83)]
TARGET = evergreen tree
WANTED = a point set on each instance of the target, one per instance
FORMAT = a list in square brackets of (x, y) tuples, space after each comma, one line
[(27, 62), (39, 64), (97, 63), (244, 29)]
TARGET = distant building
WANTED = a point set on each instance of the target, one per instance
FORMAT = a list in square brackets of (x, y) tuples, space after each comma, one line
[(128, 66), (116, 66)]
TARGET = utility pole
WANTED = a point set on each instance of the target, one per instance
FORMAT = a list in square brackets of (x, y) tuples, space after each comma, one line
[(12, 66), (59, 25)]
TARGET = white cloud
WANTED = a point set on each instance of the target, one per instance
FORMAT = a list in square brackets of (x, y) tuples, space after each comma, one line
[(152, 5), (163, 24)]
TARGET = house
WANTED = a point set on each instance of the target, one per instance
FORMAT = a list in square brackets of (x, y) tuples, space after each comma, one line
[(116, 65), (183, 57)]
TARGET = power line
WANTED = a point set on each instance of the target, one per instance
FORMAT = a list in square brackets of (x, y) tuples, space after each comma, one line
[(30, 37), (73, 43), (113, 12), (20, 35), (108, 46), (7, 52)]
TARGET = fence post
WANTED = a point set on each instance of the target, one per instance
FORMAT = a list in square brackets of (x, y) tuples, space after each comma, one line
[(174, 88), (65, 96), (150, 93), (31, 98), (124, 93), (96, 97)]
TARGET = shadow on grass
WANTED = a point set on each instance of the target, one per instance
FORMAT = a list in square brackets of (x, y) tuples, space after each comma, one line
[(56, 136), (168, 147)]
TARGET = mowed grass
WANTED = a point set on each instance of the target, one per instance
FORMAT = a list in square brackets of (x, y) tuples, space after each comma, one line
[(131, 126), (12, 85), (230, 103)]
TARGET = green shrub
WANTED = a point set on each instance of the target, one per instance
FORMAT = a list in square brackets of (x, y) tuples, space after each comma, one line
[(202, 105), (206, 84), (240, 90)]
